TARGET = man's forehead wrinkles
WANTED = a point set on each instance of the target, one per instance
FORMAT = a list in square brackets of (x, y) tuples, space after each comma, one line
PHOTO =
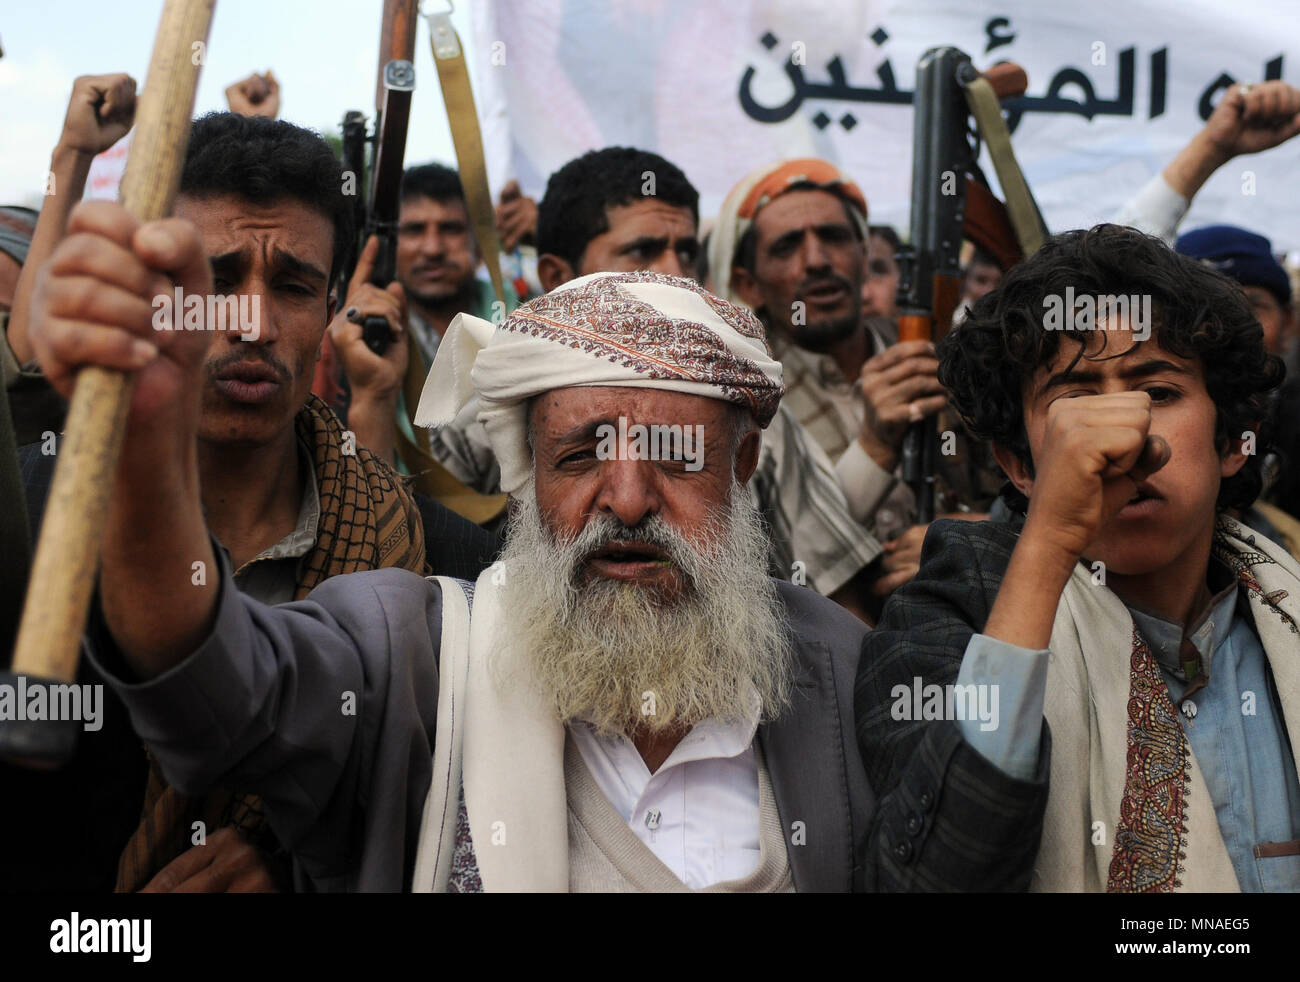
[(234, 238), (577, 406), (274, 250)]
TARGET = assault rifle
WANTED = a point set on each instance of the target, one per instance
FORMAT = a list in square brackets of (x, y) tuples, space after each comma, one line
[(377, 212), (951, 201)]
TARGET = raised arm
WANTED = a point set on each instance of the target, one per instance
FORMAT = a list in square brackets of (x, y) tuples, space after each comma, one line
[(100, 113), (324, 707), (1247, 119), (94, 305)]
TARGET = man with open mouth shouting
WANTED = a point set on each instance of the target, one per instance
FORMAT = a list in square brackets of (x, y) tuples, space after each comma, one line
[(633, 705)]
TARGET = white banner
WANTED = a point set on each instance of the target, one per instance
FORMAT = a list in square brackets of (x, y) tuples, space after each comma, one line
[(1116, 88)]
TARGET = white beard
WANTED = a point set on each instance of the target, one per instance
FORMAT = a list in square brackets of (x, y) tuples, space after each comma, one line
[(625, 658)]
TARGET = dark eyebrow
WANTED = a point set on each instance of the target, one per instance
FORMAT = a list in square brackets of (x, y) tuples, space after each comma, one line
[(584, 433), (790, 238), (647, 243), (293, 264), (1141, 370), (1154, 367), (229, 260)]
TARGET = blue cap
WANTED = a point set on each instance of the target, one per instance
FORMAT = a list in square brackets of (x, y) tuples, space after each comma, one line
[(1241, 255)]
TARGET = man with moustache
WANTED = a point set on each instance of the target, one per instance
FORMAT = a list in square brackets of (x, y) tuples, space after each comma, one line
[(880, 283), (791, 242), (1123, 610), (436, 263), (634, 704), (287, 492), (623, 209)]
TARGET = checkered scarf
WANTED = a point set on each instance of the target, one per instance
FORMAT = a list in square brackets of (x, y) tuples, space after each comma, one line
[(368, 520)]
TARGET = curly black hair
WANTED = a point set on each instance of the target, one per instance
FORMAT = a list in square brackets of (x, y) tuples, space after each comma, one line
[(573, 210), (1197, 313), (265, 160)]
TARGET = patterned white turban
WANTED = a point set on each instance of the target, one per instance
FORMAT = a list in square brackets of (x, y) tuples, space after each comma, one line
[(637, 329)]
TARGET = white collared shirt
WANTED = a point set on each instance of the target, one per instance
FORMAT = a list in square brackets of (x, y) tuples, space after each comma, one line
[(698, 813)]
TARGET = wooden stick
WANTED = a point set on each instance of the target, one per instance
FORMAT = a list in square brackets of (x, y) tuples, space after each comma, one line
[(67, 554)]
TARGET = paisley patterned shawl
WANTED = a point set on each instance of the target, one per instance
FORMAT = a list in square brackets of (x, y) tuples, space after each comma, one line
[(1129, 811)]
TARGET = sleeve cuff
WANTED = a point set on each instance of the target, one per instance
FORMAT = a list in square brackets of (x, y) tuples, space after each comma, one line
[(864, 482), (187, 698), (1009, 686), (1157, 210)]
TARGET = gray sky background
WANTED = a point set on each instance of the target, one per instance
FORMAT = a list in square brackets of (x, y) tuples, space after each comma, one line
[(323, 52)]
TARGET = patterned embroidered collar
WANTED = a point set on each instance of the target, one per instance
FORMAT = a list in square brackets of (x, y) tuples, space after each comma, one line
[(1207, 630)]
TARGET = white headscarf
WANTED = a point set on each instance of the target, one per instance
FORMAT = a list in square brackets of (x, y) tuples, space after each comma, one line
[(638, 329)]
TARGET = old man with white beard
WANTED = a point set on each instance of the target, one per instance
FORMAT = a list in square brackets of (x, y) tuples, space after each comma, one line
[(634, 703)]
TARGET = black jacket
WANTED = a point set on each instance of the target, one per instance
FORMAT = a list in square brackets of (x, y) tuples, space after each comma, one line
[(946, 818)]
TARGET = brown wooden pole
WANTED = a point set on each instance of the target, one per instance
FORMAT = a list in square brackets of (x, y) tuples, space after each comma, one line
[(67, 554)]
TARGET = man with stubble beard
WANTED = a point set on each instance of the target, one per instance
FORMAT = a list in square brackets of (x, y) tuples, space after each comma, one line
[(436, 262), (289, 495), (791, 242)]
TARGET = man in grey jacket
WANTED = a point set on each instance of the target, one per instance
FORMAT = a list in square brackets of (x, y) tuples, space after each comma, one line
[(634, 703)]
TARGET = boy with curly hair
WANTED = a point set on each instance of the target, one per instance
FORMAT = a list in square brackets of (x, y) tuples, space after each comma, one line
[(1138, 646)]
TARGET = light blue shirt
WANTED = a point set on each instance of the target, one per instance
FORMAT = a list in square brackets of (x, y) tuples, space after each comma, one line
[(1236, 730)]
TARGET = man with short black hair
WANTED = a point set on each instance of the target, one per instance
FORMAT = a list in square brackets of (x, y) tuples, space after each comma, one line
[(438, 257), (981, 274), (285, 489), (617, 209), (436, 262)]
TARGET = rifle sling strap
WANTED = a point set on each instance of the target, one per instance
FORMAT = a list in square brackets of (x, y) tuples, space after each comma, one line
[(453, 76), (1025, 217), (431, 478)]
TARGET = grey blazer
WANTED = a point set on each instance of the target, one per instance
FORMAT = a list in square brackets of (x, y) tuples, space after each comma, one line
[(326, 708)]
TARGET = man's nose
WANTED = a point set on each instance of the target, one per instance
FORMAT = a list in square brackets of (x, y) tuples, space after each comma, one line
[(432, 244), (254, 316), (815, 254), (627, 490)]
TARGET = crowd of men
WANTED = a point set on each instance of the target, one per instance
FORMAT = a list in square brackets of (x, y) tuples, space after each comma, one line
[(463, 632)]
